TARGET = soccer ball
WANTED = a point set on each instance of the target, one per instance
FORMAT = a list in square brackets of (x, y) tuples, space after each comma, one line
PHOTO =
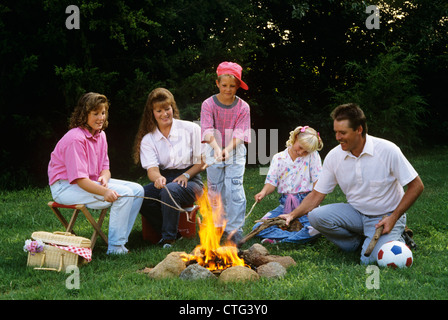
[(394, 254)]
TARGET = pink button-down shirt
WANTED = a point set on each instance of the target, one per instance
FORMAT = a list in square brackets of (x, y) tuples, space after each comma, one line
[(225, 122), (78, 155)]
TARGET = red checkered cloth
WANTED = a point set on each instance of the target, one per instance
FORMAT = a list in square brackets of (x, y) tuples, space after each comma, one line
[(86, 253)]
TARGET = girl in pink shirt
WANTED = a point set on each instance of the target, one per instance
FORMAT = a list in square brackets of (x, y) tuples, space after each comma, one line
[(79, 172)]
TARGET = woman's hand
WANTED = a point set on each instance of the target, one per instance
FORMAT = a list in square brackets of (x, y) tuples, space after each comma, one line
[(160, 182), (181, 180)]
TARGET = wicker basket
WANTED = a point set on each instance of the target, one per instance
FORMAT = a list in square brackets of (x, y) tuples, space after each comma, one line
[(55, 259)]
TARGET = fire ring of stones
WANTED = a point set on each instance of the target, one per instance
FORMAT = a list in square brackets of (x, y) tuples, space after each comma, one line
[(257, 257)]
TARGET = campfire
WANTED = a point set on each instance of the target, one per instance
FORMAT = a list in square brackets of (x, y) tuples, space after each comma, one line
[(209, 253), (210, 259)]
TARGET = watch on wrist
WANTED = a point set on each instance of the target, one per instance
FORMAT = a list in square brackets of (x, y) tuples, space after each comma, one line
[(186, 175)]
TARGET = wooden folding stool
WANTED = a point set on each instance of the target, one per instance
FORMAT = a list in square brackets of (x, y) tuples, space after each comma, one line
[(54, 206)]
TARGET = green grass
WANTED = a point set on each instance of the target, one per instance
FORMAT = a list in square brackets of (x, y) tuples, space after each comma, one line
[(322, 272)]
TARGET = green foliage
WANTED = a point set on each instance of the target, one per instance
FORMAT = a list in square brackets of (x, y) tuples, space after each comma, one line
[(191, 92), (386, 90), (77, 81)]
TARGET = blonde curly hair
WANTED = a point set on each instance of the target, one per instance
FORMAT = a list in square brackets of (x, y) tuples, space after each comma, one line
[(308, 137)]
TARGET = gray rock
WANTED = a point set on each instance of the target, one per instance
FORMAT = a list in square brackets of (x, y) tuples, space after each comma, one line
[(238, 273), (271, 270), (170, 267), (195, 272)]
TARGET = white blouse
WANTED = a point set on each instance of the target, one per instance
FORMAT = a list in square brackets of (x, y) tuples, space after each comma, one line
[(292, 177), (182, 148)]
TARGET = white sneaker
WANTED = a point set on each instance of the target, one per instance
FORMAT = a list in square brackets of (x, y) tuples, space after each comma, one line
[(313, 232), (120, 249)]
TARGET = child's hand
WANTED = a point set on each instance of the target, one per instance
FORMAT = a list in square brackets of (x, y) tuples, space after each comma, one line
[(259, 196), (217, 154), (225, 154), (103, 181), (111, 195)]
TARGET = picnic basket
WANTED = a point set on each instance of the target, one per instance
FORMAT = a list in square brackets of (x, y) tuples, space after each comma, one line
[(54, 258)]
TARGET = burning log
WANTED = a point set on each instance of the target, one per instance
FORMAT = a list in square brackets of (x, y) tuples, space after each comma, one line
[(209, 253), (267, 223), (215, 260)]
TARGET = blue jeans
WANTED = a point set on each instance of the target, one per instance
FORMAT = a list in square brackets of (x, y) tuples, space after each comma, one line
[(123, 211), (347, 228), (225, 182), (161, 217), (274, 232)]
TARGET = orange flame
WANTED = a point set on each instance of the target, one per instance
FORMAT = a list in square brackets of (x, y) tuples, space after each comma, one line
[(210, 254)]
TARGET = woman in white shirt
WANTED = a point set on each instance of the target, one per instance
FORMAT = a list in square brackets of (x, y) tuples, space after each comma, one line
[(170, 150)]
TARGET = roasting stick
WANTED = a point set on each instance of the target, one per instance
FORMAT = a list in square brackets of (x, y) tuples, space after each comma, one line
[(251, 209), (375, 238), (236, 230), (253, 206), (149, 198), (209, 165)]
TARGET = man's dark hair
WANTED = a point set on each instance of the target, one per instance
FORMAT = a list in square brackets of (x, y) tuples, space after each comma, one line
[(353, 113)]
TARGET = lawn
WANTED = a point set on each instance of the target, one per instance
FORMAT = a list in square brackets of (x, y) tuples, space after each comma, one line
[(322, 272)]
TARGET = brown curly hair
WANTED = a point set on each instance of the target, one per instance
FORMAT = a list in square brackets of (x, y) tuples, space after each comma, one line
[(88, 102), (148, 123)]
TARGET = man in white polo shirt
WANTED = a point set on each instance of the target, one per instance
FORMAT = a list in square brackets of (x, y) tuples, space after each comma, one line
[(371, 172)]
